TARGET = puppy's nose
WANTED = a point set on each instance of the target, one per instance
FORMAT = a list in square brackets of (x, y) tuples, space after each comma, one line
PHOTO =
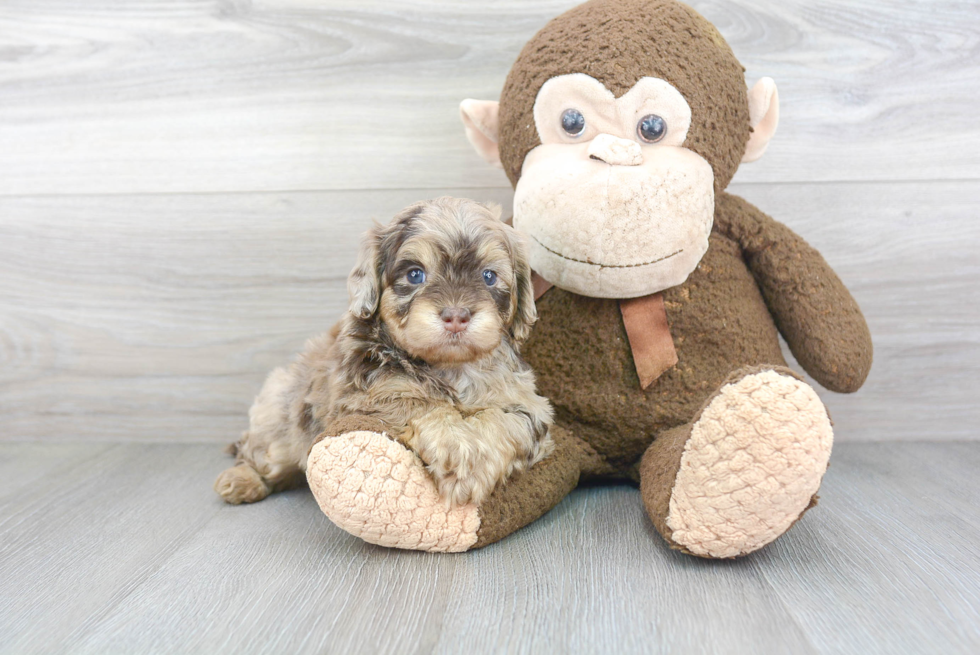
[(455, 319), (615, 151)]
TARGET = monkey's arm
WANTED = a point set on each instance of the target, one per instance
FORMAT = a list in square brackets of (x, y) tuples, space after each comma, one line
[(814, 311), (376, 489)]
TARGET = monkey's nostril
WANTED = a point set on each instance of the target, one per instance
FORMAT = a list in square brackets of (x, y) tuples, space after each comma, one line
[(615, 151)]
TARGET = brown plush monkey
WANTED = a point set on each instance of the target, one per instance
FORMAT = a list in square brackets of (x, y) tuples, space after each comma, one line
[(660, 299)]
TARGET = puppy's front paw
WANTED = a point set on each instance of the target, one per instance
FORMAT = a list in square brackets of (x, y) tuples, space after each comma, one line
[(468, 457), (461, 491), (462, 479)]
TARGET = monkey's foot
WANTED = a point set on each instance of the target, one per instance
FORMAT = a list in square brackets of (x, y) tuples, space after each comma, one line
[(378, 490), (744, 471)]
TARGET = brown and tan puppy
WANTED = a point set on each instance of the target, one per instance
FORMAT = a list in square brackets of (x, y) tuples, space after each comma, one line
[(441, 299)]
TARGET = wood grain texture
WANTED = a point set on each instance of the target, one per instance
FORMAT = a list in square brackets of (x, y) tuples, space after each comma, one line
[(79, 540), (157, 317), (229, 95), (872, 539), (910, 254), (132, 552)]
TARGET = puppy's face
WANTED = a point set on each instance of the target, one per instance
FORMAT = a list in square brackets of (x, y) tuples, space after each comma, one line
[(448, 279)]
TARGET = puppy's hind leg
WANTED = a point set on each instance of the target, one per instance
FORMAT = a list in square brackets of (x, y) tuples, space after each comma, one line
[(271, 455)]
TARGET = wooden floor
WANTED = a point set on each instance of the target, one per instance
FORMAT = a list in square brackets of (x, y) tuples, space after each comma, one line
[(182, 187), (124, 548)]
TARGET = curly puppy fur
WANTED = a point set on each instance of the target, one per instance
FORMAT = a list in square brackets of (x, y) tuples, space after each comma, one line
[(434, 357)]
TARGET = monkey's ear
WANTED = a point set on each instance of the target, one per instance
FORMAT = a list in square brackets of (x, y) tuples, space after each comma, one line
[(364, 283), (525, 312), (763, 117), (480, 118)]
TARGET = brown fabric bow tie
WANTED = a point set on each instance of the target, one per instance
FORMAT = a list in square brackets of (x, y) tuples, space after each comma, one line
[(645, 319)]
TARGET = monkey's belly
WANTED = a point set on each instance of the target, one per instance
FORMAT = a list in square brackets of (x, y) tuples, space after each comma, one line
[(581, 356)]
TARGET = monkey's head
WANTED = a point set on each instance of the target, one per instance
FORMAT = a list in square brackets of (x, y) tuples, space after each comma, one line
[(618, 123)]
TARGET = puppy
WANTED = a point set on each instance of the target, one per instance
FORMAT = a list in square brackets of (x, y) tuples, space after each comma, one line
[(440, 301)]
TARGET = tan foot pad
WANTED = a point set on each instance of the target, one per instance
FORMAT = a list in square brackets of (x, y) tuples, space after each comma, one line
[(378, 490), (753, 461)]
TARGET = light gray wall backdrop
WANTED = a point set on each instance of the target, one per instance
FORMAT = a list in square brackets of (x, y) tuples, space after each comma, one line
[(183, 184)]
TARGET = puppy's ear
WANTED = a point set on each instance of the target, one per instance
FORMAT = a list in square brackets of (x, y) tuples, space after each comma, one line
[(524, 312), (378, 250), (364, 282), (495, 209)]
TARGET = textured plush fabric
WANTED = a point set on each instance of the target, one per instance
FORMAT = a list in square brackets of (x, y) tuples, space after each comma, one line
[(355, 423), (740, 488), (608, 116), (720, 322), (754, 459), (525, 498), (657, 474), (615, 151), (614, 231), (480, 122), (763, 115), (376, 489), (618, 42), (814, 311), (580, 352)]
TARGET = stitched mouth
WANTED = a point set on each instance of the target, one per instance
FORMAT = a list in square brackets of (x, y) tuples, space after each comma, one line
[(582, 261)]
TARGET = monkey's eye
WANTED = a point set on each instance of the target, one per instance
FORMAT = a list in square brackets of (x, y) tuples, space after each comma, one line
[(489, 277), (415, 276), (573, 122), (651, 128)]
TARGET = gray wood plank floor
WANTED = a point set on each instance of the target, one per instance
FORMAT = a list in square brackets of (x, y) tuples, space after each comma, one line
[(124, 548)]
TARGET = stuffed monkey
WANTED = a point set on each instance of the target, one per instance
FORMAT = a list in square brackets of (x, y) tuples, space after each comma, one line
[(660, 300)]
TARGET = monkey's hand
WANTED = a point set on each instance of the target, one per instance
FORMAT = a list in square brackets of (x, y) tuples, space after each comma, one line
[(814, 311)]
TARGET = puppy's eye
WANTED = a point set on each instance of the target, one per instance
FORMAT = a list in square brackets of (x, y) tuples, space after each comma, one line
[(490, 278), (573, 122), (651, 128), (415, 276)]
